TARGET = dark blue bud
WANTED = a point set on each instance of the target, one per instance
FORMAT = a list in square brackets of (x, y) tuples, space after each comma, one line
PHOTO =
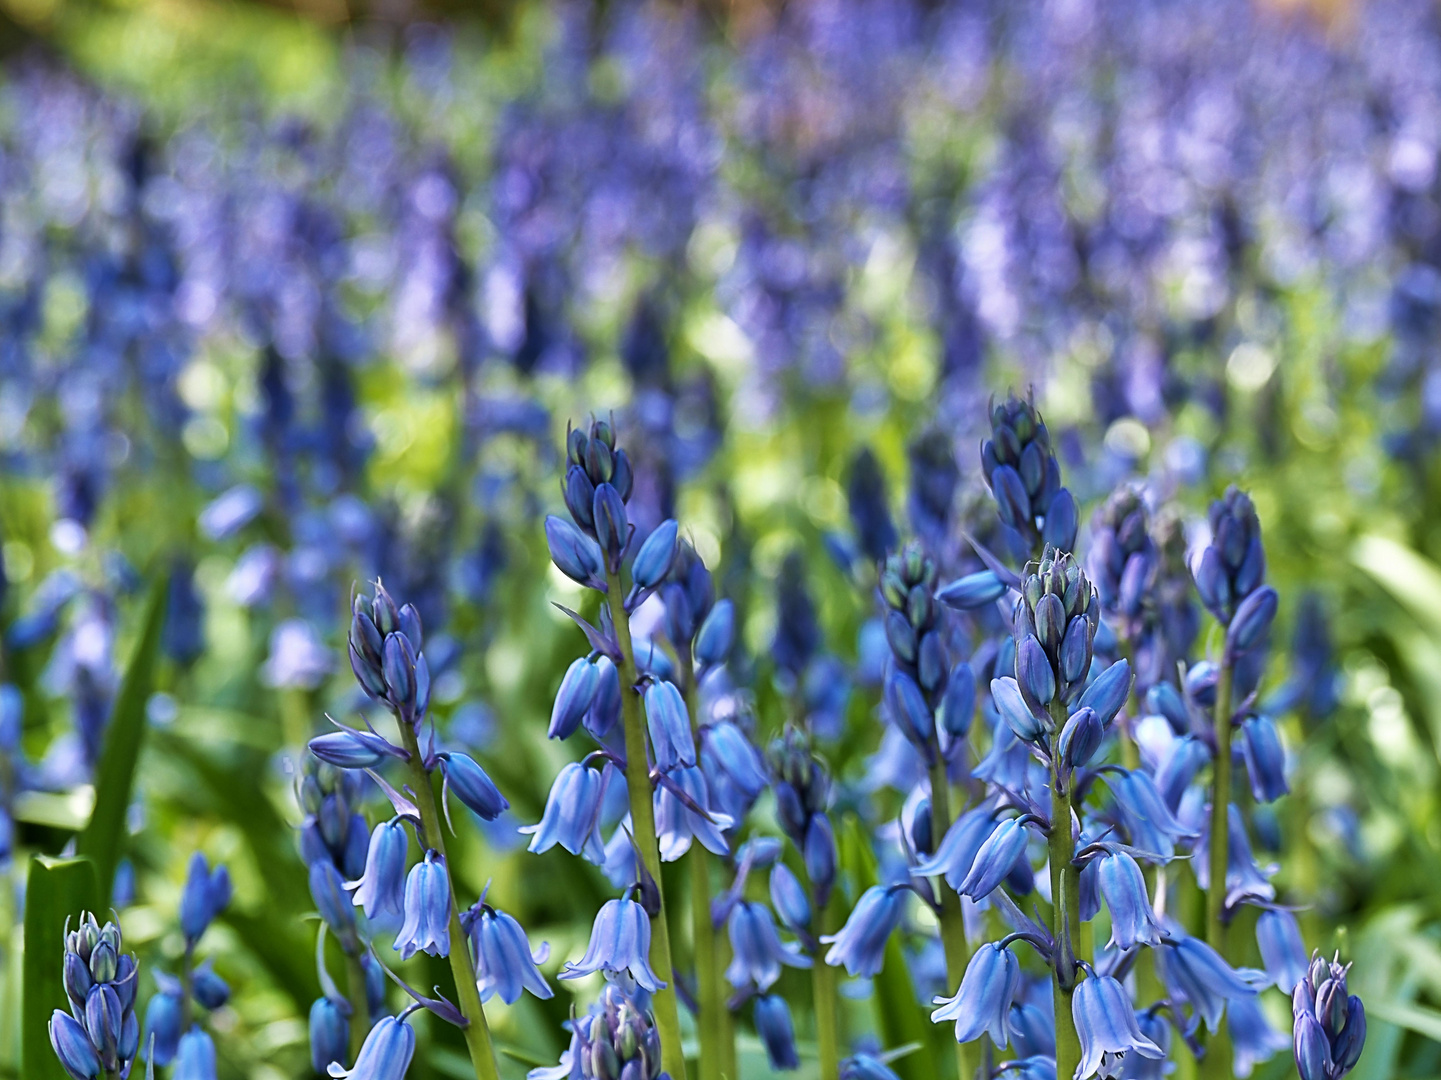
[(398, 666), (162, 1023), (972, 591), (612, 528), (773, 1024), (1109, 691), (652, 561), (1075, 653), (1201, 682), (579, 495), (574, 698), (576, 555), (1265, 758), (327, 889), (1253, 618), (1214, 585), (994, 859), (1313, 1050), (958, 708), (329, 1035), (1013, 504), (205, 895), (72, 1046), (210, 989), (1134, 579), (1252, 569), (1062, 519), (820, 856), (75, 976), (789, 899), (622, 476), (931, 662), (901, 635), (1080, 738), (103, 1018), (713, 639), (1346, 1048), (472, 786), (1050, 623), (908, 708), (410, 627), (348, 749), (1165, 700), (1006, 695), (1033, 668)]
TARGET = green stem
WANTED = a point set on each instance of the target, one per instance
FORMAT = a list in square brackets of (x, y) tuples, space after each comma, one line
[(642, 818), (477, 1031), (827, 1005), (359, 1004), (1220, 825), (187, 968), (1065, 917), (711, 997), (953, 926)]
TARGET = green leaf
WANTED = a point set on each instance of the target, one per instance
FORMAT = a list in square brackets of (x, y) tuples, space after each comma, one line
[(104, 836), (1417, 1018), (57, 889), (1413, 579)]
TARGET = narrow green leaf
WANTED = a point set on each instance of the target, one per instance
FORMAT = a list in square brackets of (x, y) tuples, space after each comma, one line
[(1417, 1018), (1413, 579), (104, 836), (56, 889)]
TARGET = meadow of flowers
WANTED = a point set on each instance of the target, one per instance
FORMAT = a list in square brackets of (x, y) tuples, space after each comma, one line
[(881, 541)]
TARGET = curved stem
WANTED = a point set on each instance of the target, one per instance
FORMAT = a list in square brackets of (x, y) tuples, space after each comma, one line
[(1065, 918), (1220, 824), (359, 1004), (642, 819), (953, 925), (477, 1031)]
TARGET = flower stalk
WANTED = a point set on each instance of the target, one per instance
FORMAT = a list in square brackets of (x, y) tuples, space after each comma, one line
[(642, 816), (953, 926), (477, 1031)]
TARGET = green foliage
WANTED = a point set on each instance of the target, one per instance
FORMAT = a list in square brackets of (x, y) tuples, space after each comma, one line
[(56, 890)]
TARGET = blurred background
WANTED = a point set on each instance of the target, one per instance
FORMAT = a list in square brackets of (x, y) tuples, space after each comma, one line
[(297, 294)]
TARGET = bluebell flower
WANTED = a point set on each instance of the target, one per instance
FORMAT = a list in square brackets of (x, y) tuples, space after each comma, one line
[(208, 988), (162, 1022), (956, 853), (576, 555), (504, 963), (1252, 620), (327, 889), (867, 499), (230, 512), (676, 823), (72, 1046), (1033, 1029), (772, 1017), (205, 895), (958, 706), (1265, 758), (860, 945), (574, 698), (465, 777), (572, 813), (1235, 562), (1244, 879), (653, 561), (381, 889), (1023, 721), (195, 1059), (1108, 693), (1154, 1027), (619, 941), (866, 1066), (329, 1035), (1282, 952), (669, 725), (1197, 973), (757, 952), (385, 1054), (734, 753), (1149, 822), (972, 591), (798, 634), (350, 749), (1106, 1024), (1080, 738), (790, 900), (1253, 1039), (982, 1004), (1133, 920), (819, 855), (1187, 756), (427, 909), (713, 639), (994, 859)]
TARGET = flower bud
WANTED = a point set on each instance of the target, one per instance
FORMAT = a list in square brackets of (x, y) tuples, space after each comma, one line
[(653, 561), (573, 699), (1080, 738), (713, 639), (958, 707), (329, 1035), (465, 777), (1006, 695), (576, 555), (1109, 691), (1253, 618), (1062, 520), (612, 528), (1033, 668), (908, 708), (72, 1047), (579, 494), (972, 591)]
